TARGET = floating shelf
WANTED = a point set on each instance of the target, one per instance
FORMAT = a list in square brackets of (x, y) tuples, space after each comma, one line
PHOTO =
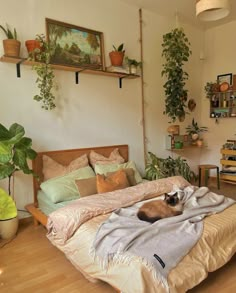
[(77, 70)]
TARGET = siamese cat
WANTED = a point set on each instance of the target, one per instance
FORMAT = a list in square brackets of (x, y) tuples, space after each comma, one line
[(155, 210)]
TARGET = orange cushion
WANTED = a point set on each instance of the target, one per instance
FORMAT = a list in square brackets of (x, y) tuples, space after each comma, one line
[(129, 174), (115, 181)]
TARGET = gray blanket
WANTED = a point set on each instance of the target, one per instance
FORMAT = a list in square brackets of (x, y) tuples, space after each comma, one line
[(161, 245)]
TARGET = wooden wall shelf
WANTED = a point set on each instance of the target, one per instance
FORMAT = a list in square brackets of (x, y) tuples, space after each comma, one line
[(77, 70)]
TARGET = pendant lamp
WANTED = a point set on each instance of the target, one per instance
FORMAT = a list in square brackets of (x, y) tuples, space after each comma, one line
[(210, 10)]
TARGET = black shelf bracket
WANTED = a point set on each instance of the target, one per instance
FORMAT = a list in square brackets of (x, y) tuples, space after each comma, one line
[(120, 81), (77, 76), (18, 68)]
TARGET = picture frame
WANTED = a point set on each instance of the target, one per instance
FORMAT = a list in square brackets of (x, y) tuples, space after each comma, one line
[(228, 77), (75, 46)]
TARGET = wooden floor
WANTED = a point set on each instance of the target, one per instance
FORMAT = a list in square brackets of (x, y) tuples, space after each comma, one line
[(29, 263)]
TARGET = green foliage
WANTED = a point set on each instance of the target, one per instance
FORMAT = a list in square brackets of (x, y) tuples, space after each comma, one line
[(162, 168), (133, 62), (120, 48), (210, 89), (194, 128), (15, 150), (9, 33), (7, 206), (45, 79), (176, 52)]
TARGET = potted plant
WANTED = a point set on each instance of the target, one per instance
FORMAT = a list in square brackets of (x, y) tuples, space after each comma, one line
[(193, 130), (15, 150), (176, 52), (11, 45), (133, 65), (31, 45), (117, 55), (161, 168), (44, 70), (8, 216)]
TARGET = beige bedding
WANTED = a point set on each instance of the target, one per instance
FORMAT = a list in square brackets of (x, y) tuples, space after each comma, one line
[(214, 249)]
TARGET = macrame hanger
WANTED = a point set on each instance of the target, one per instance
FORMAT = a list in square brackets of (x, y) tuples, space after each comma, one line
[(176, 19)]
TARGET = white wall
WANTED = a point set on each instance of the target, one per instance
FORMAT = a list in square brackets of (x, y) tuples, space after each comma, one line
[(95, 112), (220, 59)]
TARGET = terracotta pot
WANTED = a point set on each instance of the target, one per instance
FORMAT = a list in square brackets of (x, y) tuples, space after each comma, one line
[(8, 228), (31, 45), (11, 48), (200, 142), (116, 58)]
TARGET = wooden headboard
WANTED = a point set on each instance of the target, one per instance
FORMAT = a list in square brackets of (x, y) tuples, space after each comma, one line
[(64, 157)]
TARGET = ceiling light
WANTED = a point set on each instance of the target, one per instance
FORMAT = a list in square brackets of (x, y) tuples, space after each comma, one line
[(209, 10)]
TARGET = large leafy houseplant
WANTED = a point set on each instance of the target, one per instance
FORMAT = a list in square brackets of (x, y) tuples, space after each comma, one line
[(44, 70), (15, 150), (176, 51), (161, 168)]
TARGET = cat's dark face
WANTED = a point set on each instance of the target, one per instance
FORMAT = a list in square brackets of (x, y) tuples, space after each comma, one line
[(172, 199)]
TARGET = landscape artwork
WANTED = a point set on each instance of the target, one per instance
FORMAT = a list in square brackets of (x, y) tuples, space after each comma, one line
[(75, 46)]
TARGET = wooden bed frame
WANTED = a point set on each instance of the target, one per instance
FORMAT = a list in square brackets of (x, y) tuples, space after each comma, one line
[(64, 157)]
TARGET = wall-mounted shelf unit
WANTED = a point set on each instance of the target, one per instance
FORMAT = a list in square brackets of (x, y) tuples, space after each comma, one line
[(185, 140), (223, 104), (19, 61)]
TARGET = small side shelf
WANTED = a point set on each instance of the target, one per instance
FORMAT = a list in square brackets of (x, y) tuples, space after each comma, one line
[(228, 162), (77, 70)]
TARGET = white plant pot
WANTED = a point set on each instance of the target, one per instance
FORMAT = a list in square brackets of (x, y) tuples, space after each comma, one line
[(8, 228), (195, 136), (133, 69)]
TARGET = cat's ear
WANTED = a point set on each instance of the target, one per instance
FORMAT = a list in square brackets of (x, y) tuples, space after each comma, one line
[(167, 196)]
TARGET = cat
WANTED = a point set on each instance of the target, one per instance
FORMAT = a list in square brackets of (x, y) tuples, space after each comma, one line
[(155, 210)]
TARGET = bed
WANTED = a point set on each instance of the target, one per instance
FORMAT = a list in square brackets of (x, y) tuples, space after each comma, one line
[(215, 247)]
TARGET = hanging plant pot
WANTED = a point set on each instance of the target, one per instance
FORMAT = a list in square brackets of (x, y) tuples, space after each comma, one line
[(11, 48), (116, 58)]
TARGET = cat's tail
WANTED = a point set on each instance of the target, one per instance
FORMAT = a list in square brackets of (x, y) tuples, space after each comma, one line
[(144, 217)]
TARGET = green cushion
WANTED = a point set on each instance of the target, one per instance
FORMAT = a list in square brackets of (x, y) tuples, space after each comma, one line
[(64, 188), (104, 169)]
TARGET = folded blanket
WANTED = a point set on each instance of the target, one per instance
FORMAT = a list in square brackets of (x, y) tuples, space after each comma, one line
[(161, 245)]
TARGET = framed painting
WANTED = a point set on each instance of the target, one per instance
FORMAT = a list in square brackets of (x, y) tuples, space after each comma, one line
[(75, 46), (225, 78)]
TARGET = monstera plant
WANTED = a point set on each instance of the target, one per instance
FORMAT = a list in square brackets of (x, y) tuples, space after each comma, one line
[(176, 52)]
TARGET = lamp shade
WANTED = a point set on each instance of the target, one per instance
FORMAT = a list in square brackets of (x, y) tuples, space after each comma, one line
[(210, 10)]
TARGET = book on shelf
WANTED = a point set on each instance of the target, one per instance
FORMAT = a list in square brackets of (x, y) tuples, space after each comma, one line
[(120, 69)]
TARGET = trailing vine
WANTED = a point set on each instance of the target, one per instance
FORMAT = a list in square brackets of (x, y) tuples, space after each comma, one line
[(45, 79), (176, 52)]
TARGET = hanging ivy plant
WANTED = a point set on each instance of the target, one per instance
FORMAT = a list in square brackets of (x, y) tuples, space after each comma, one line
[(176, 51), (45, 79)]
